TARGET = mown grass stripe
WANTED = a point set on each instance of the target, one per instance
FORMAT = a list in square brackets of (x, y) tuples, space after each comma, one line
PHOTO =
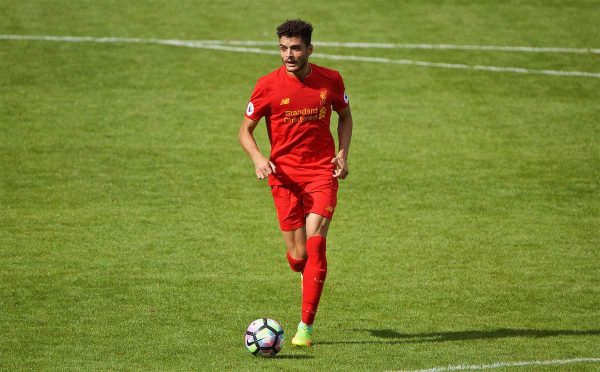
[(219, 45)]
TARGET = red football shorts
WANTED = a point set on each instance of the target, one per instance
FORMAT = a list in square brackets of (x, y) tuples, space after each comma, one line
[(294, 201)]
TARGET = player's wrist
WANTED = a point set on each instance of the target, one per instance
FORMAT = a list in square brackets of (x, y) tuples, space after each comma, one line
[(342, 154), (258, 158)]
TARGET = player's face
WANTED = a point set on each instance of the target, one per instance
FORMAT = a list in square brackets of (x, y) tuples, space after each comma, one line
[(294, 54)]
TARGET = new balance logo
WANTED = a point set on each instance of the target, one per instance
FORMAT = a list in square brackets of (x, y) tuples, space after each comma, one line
[(284, 101)]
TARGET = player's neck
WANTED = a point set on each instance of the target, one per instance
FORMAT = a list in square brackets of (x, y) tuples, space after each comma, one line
[(301, 74)]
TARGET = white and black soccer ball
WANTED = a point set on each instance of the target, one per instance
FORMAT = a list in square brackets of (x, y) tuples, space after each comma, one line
[(264, 337)]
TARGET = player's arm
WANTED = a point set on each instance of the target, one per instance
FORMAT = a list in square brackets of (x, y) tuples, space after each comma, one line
[(262, 165), (344, 130)]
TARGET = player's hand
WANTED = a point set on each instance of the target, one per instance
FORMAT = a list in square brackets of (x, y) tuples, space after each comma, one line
[(341, 168), (263, 167)]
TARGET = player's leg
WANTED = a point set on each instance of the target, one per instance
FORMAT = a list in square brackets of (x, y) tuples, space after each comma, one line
[(313, 280), (295, 242), (317, 224), (319, 202), (290, 213), (315, 271)]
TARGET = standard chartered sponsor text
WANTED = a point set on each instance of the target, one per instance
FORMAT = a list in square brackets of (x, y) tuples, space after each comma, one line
[(299, 116)]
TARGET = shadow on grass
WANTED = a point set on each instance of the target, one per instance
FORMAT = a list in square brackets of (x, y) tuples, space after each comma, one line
[(285, 356), (391, 336)]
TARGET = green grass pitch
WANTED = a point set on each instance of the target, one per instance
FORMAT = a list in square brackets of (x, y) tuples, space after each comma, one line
[(133, 235)]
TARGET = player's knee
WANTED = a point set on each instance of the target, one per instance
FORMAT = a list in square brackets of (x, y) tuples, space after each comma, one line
[(320, 231), (317, 225), (296, 264)]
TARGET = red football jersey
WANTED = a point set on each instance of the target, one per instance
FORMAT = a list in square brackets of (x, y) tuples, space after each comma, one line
[(297, 115)]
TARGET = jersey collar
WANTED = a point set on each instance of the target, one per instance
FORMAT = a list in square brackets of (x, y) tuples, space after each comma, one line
[(294, 78)]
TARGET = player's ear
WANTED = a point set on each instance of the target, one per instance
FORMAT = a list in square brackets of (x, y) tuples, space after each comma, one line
[(309, 50)]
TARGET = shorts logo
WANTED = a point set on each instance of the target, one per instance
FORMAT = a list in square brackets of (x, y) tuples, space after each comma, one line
[(329, 209), (250, 109), (284, 101), (345, 98)]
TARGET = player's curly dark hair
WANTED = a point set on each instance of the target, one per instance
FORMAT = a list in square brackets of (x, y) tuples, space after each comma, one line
[(295, 28)]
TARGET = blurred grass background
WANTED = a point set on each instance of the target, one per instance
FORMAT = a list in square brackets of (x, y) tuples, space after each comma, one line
[(133, 235)]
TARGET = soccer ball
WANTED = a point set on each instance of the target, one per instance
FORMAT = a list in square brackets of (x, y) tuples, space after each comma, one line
[(264, 337)]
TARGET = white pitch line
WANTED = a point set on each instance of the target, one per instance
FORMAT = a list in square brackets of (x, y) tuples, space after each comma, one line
[(208, 44), (219, 45), (555, 362), (501, 48), (460, 66)]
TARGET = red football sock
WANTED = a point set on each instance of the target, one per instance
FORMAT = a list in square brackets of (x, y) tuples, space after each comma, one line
[(315, 273), (296, 265)]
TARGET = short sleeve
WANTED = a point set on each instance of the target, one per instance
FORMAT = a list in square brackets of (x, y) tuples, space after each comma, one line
[(340, 99), (258, 104)]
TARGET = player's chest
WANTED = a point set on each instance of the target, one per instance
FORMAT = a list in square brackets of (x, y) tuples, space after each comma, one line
[(300, 99)]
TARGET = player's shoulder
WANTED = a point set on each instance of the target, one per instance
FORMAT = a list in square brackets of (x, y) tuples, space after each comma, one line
[(325, 71), (266, 84)]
